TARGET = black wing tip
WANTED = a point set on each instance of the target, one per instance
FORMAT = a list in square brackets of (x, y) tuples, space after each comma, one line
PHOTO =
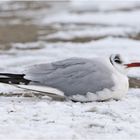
[(10, 78)]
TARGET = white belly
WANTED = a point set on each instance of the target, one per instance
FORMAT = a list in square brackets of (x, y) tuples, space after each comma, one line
[(121, 85)]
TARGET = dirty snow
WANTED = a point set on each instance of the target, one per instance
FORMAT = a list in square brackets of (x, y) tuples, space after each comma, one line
[(109, 28)]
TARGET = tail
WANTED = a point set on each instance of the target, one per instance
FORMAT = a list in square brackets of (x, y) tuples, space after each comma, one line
[(19, 81), (9, 78)]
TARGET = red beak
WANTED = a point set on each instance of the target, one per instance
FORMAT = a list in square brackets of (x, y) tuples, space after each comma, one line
[(136, 64)]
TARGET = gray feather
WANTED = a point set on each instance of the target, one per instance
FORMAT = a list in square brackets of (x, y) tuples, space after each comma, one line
[(72, 76)]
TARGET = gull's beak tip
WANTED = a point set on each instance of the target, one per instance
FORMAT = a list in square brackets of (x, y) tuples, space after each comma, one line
[(130, 65)]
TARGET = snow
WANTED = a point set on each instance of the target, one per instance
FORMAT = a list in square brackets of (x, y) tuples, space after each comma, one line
[(116, 19), (103, 5), (42, 118), (97, 32), (34, 118)]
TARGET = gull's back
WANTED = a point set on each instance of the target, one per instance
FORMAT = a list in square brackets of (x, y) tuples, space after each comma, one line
[(72, 76)]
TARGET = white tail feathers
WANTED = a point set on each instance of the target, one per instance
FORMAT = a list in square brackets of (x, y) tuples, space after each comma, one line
[(49, 91)]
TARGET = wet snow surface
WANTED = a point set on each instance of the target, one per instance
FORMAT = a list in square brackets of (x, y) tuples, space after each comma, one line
[(41, 32)]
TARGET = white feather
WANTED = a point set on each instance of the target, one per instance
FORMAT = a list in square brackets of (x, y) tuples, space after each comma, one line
[(49, 91)]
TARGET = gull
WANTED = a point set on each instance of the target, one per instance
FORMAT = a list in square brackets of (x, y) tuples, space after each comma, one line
[(77, 79)]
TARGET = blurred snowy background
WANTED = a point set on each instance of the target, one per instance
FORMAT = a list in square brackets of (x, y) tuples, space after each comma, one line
[(44, 31)]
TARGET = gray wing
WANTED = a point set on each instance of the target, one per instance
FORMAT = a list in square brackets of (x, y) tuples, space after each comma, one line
[(72, 76)]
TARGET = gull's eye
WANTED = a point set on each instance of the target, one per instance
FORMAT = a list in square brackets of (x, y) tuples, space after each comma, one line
[(118, 60)]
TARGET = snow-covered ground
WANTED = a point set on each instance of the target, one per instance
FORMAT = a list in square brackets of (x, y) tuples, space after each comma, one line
[(33, 118), (74, 28)]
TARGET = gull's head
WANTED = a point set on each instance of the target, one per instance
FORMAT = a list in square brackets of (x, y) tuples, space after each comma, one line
[(119, 63)]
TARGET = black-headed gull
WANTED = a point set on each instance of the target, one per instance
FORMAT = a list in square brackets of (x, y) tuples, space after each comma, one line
[(79, 79)]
